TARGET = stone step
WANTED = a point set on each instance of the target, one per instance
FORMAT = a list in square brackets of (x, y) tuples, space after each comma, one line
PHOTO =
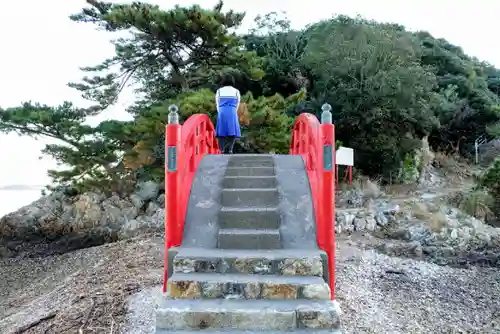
[(250, 217), (250, 171), (266, 315), (241, 286), (290, 262), (250, 182), (252, 157), (251, 163), (234, 238), (259, 197)]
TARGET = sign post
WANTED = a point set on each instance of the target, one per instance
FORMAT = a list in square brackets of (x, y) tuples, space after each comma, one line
[(479, 141)]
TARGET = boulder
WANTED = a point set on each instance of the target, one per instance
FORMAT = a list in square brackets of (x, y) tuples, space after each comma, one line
[(67, 223)]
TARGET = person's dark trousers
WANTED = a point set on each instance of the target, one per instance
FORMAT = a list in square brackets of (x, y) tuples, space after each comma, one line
[(226, 144)]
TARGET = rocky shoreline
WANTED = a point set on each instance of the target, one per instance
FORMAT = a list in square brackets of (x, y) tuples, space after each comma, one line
[(419, 228), (424, 230), (58, 223)]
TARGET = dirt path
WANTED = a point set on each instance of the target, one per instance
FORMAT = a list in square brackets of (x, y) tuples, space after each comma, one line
[(108, 289)]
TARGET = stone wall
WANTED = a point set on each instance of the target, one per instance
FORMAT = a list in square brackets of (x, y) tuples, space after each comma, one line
[(441, 234), (355, 220)]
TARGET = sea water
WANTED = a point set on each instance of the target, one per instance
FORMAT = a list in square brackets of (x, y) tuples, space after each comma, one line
[(13, 199), (23, 174)]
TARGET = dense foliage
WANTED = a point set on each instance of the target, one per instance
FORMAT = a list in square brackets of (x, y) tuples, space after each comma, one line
[(388, 88)]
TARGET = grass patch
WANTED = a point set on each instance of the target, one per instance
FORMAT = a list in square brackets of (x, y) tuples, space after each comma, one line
[(476, 203)]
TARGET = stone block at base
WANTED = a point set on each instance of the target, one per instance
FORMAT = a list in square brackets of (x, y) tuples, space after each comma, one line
[(247, 315)]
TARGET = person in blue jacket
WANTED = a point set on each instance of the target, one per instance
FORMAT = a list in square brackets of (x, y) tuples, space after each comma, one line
[(227, 129)]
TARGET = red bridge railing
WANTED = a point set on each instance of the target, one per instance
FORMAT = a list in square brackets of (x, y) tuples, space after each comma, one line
[(315, 143), (185, 146)]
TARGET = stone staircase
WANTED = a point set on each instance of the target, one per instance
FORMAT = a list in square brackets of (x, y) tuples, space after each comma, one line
[(249, 283)]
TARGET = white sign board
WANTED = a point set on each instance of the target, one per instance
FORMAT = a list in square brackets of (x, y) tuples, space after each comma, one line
[(344, 156)]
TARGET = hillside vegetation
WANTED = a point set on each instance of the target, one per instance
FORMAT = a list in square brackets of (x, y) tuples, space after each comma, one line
[(388, 87)]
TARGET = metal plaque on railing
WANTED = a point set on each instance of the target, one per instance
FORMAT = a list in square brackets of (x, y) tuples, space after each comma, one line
[(172, 159), (327, 157)]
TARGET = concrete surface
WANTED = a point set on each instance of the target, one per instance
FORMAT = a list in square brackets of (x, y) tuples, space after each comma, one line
[(201, 226), (298, 226)]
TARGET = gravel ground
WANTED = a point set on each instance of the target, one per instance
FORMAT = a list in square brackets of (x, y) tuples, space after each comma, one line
[(382, 294), (111, 289)]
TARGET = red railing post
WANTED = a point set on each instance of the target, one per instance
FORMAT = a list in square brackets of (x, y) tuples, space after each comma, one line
[(172, 148), (315, 143), (185, 147), (327, 191)]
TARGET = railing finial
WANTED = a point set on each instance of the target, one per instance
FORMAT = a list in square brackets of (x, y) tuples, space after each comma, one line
[(326, 115), (173, 116)]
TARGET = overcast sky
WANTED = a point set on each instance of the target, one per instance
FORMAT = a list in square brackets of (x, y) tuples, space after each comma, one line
[(41, 50)]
